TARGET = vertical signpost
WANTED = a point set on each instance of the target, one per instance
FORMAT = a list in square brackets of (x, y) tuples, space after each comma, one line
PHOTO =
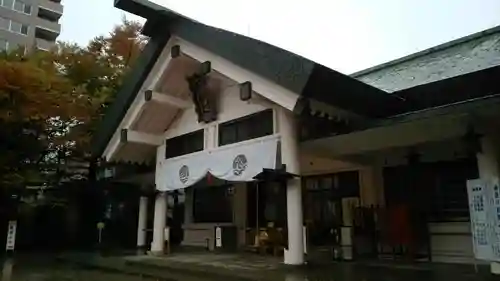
[(218, 237), (100, 228), (11, 236), (484, 208)]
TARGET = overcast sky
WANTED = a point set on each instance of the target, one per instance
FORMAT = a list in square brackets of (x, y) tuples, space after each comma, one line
[(346, 35)]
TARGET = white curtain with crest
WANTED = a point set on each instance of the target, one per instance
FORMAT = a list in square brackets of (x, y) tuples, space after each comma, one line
[(236, 162)]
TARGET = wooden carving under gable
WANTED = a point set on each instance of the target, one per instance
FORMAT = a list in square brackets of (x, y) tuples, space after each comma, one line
[(204, 96)]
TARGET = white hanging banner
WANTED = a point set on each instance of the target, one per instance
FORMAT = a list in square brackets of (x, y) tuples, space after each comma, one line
[(243, 161), (183, 171), (236, 162)]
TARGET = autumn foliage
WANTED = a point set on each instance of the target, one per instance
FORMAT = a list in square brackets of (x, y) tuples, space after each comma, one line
[(30, 92), (50, 102)]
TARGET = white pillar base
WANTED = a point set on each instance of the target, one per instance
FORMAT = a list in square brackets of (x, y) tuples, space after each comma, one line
[(142, 222), (160, 219), (495, 268), (295, 253)]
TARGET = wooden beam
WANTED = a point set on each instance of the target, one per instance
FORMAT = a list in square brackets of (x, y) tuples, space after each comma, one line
[(150, 95), (140, 137)]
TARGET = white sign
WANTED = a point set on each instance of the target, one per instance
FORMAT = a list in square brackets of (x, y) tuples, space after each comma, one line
[(11, 236), (494, 211), (484, 208), (218, 237)]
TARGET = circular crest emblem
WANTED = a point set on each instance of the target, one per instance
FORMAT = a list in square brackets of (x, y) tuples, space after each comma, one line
[(240, 164), (184, 174)]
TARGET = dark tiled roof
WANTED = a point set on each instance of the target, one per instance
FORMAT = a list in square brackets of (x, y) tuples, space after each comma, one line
[(282, 67), (455, 58), (296, 73), (364, 93)]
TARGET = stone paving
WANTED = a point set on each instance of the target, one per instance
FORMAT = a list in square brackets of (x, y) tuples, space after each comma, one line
[(36, 267), (244, 267), (226, 261)]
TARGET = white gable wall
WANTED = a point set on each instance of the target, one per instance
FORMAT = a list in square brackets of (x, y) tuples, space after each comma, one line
[(136, 107), (230, 107)]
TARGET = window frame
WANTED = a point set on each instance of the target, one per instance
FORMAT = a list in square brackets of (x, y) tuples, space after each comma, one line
[(22, 8), (5, 44), (27, 27), (185, 139), (241, 130), (11, 23), (8, 21), (7, 7), (30, 8)]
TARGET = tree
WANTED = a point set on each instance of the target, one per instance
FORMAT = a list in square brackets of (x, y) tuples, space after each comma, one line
[(35, 102), (99, 68), (50, 102)]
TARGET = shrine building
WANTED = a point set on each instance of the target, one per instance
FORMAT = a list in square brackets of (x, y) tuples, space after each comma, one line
[(255, 137)]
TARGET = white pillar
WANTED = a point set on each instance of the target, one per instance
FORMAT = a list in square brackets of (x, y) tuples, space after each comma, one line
[(290, 156), (160, 219), (371, 186), (142, 222), (487, 164)]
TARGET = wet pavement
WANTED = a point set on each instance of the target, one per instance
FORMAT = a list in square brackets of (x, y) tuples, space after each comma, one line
[(45, 268), (210, 266)]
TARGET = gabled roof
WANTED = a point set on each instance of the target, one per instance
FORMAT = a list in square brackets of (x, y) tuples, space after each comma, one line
[(308, 79), (282, 67)]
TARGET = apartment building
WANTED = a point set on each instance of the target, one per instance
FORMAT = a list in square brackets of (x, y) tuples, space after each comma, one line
[(29, 23)]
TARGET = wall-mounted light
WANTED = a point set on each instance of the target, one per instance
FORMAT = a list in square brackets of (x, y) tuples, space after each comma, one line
[(205, 68), (175, 51), (246, 91), (123, 135)]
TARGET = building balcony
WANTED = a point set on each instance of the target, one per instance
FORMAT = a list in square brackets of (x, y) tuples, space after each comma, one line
[(50, 10), (47, 30), (43, 44)]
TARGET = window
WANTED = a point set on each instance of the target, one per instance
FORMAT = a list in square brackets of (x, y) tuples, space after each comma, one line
[(20, 6), (4, 23), (212, 204), (4, 45), (7, 3), (185, 144), (448, 197), (27, 9), (337, 185), (439, 189), (15, 26), (249, 127), (24, 29), (16, 5)]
